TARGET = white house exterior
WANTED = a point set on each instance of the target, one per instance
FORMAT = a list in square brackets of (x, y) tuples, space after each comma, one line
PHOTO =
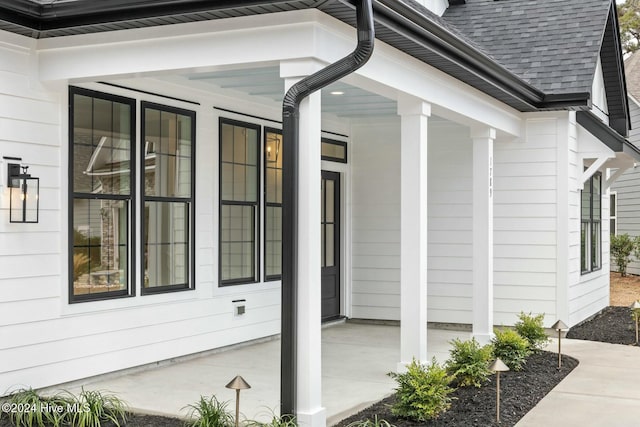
[(467, 191)]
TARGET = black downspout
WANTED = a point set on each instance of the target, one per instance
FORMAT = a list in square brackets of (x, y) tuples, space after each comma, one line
[(290, 119)]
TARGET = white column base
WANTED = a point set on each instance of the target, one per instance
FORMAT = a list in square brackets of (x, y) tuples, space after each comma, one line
[(483, 339), (317, 418)]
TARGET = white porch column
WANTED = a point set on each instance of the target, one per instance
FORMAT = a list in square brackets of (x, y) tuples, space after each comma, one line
[(483, 233), (309, 351), (413, 247)]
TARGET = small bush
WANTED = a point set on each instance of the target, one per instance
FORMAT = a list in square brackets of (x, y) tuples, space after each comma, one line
[(209, 413), (530, 328), (369, 423), (511, 348), (622, 245), (92, 408), (469, 362), (423, 391), (30, 409)]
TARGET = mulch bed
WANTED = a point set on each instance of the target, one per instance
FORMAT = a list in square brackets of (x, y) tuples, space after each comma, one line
[(520, 391), (613, 325)]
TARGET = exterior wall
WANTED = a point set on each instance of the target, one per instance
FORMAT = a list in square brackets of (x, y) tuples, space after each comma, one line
[(375, 166), (628, 192), (45, 340), (587, 293), (450, 207), (525, 229)]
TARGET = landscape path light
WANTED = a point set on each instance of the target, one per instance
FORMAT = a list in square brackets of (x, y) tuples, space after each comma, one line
[(498, 366), (635, 308), (237, 384), (559, 326)]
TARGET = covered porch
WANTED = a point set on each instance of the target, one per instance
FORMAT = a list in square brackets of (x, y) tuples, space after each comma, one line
[(356, 358)]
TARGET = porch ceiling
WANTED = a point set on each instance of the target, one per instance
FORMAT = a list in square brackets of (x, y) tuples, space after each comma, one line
[(340, 99)]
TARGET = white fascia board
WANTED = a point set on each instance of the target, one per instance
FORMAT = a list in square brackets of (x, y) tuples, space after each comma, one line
[(14, 41), (192, 47), (394, 72), (208, 45)]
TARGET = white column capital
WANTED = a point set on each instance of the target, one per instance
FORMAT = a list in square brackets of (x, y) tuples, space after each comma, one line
[(411, 106), (299, 68), (483, 132)]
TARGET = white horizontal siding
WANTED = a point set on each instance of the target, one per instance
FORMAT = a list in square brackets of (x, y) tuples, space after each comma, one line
[(627, 187), (525, 216), (375, 247), (450, 233), (587, 293)]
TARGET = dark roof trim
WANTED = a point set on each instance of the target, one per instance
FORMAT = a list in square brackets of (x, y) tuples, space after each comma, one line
[(613, 67), (607, 135)]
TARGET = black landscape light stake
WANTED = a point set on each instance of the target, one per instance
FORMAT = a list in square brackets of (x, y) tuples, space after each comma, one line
[(559, 326), (237, 384), (498, 366), (635, 308)]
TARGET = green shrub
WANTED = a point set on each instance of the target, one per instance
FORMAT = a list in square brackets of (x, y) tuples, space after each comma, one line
[(92, 408), (423, 391), (621, 248), (369, 423), (511, 348), (209, 413), (530, 328), (469, 362), (29, 409)]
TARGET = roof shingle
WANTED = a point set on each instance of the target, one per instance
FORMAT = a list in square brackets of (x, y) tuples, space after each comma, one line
[(552, 44)]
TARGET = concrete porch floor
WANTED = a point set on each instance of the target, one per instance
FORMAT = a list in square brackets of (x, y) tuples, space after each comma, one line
[(355, 361)]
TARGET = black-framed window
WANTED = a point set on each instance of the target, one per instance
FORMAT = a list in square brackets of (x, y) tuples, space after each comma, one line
[(613, 213), (273, 204), (591, 225), (335, 151), (168, 165), (239, 201), (102, 200)]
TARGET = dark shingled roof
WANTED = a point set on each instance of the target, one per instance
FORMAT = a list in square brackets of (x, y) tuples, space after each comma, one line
[(552, 44)]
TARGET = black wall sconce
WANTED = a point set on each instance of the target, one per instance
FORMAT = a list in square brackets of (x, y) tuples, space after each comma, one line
[(24, 198)]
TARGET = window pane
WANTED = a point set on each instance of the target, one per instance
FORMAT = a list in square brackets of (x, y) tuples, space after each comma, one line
[(585, 203), (595, 246), (100, 246), (238, 184), (334, 151), (597, 197), (238, 242), (239, 180), (612, 205), (584, 235), (101, 146), (273, 233), (167, 154), (166, 244)]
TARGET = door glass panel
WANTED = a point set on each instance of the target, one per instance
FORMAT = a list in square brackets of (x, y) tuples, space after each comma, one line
[(330, 200), (329, 244), (322, 240)]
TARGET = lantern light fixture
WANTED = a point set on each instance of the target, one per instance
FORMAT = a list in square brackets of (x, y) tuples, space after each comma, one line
[(24, 194)]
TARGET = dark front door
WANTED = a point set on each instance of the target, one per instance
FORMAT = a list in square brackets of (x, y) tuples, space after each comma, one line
[(330, 223)]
